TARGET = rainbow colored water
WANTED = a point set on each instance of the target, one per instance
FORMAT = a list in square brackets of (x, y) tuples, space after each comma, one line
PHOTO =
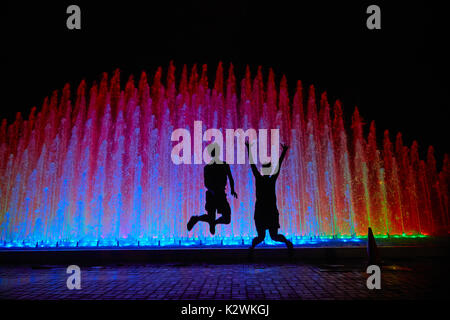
[(96, 169)]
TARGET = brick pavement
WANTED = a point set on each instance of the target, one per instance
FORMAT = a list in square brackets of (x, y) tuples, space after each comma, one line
[(424, 280)]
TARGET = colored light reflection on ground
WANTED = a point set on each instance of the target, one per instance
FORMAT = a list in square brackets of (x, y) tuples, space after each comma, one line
[(201, 243), (96, 170)]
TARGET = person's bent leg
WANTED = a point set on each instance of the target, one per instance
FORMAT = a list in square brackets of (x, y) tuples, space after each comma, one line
[(275, 236), (211, 219), (194, 219), (192, 222), (204, 218), (260, 238), (225, 216)]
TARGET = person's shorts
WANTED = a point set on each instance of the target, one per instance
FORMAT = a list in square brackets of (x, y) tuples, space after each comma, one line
[(266, 217), (217, 201)]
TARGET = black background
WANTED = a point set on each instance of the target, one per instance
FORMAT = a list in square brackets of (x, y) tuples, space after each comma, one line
[(394, 75)]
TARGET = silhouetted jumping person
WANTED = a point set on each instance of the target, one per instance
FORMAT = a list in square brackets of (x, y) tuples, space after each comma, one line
[(215, 176), (266, 211)]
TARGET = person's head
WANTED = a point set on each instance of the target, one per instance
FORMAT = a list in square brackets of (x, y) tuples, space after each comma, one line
[(214, 151), (266, 169)]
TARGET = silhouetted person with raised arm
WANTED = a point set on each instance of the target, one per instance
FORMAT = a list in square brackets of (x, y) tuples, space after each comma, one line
[(266, 211), (215, 174)]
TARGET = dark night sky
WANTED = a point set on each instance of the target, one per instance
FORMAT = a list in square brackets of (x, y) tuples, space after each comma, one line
[(392, 75)]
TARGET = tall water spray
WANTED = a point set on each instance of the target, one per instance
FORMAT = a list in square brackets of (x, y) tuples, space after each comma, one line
[(98, 167)]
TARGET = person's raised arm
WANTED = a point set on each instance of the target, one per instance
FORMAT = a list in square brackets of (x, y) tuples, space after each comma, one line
[(230, 177), (252, 164), (280, 161)]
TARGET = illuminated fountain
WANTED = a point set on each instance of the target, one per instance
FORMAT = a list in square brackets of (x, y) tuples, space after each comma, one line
[(96, 170)]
